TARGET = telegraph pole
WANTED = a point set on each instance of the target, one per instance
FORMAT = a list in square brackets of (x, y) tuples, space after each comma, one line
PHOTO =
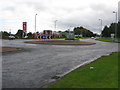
[(35, 25), (101, 27), (115, 25), (55, 23)]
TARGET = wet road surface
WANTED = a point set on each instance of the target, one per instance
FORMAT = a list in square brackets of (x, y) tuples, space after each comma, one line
[(36, 64)]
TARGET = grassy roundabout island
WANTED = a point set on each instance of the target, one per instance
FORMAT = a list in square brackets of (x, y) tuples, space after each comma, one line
[(61, 42)]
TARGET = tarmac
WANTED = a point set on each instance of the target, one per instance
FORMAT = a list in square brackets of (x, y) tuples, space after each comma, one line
[(8, 49), (37, 65)]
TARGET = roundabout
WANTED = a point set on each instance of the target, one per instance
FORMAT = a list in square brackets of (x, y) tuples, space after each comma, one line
[(61, 42)]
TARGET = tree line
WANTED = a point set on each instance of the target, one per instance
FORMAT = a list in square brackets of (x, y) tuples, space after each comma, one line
[(85, 32), (108, 30), (77, 30), (19, 34)]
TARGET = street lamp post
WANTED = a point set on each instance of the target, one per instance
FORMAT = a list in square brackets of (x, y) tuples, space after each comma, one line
[(115, 24), (10, 32), (101, 27), (69, 31), (35, 24), (55, 23)]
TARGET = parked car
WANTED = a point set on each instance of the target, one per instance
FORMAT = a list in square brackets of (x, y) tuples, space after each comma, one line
[(11, 37), (92, 37)]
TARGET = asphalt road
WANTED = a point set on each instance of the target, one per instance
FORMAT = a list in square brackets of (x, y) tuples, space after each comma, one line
[(36, 64)]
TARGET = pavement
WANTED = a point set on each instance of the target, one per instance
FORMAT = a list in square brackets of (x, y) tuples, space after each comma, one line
[(36, 64)]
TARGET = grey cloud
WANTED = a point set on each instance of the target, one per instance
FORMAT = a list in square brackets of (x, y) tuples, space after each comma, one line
[(91, 21), (9, 8), (98, 7), (69, 15), (37, 6)]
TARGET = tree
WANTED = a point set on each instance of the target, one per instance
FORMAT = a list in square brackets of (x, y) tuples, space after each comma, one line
[(112, 28), (5, 34), (96, 35), (106, 32), (85, 32), (77, 30), (59, 31), (89, 34), (29, 35), (118, 29), (20, 33), (66, 31)]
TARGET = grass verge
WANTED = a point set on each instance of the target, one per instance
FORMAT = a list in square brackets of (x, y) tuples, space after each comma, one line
[(103, 75), (107, 40)]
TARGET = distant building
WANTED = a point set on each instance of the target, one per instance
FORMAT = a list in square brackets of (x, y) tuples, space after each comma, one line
[(47, 32), (57, 35), (119, 11)]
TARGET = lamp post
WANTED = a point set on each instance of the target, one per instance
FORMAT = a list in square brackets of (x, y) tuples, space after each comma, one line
[(69, 31), (55, 23), (35, 25), (35, 22), (101, 26), (10, 32), (115, 24)]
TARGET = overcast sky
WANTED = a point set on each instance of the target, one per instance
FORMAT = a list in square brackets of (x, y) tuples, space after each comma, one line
[(69, 13)]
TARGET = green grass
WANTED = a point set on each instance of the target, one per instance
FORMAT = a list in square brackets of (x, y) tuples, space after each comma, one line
[(104, 75), (107, 40)]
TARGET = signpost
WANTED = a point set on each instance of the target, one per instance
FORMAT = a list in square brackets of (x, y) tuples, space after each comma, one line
[(24, 28), (77, 37), (44, 37), (112, 36)]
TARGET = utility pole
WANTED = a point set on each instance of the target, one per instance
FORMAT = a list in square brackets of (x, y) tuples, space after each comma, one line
[(69, 32), (35, 25), (115, 25), (101, 27), (55, 23), (35, 22), (10, 32)]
